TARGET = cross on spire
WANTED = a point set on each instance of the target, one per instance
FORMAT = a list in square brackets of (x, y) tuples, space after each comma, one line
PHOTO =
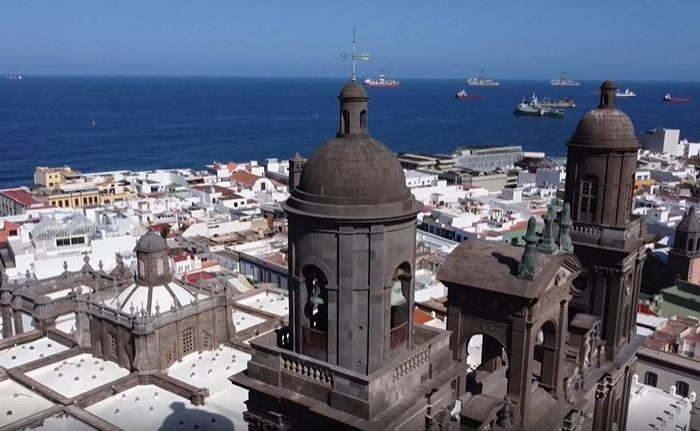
[(354, 56)]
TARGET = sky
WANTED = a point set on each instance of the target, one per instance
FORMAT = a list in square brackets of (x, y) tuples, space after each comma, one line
[(595, 39)]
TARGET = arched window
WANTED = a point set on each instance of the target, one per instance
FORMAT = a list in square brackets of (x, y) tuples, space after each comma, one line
[(589, 199), (206, 341), (160, 267), (544, 366), (363, 119), (113, 346), (682, 388), (142, 268), (168, 357), (345, 121), (690, 244), (651, 379), (485, 354), (399, 297), (188, 341)]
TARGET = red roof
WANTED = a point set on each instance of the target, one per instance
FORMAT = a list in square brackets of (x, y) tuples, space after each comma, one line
[(11, 226), (199, 276), (20, 196), (244, 178), (421, 317)]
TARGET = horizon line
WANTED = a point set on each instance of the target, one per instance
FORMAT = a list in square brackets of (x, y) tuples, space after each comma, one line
[(148, 75)]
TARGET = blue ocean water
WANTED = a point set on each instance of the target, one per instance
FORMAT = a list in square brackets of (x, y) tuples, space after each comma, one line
[(152, 122)]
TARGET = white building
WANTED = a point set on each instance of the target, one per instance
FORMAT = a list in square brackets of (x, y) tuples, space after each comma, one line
[(662, 140), (62, 240), (419, 179), (655, 409)]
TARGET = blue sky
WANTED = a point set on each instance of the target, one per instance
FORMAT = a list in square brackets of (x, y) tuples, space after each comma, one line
[(623, 39)]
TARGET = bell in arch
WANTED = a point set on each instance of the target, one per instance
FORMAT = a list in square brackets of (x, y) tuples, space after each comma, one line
[(316, 298), (397, 297)]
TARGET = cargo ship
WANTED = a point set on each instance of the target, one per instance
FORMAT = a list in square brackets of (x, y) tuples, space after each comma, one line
[(668, 99), (462, 95), (382, 82), (482, 81), (532, 108), (564, 103), (563, 81)]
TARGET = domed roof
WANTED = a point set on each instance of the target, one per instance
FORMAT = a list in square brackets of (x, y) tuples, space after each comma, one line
[(353, 172), (151, 242), (353, 90), (606, 126)]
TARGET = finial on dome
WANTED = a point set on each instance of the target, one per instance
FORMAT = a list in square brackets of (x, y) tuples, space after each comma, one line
[(353, 56), (607, 95)]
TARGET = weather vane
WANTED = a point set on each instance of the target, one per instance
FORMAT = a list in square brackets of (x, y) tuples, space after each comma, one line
[(354, 56)]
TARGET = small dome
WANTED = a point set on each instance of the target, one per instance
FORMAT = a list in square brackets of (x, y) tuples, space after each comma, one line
[(353, 172), (151, 242), (606, 126), (353, 90)]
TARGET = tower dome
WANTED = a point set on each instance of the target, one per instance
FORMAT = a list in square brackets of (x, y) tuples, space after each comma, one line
[(151, 242), (153, 267), (353, 174), (606, 126)]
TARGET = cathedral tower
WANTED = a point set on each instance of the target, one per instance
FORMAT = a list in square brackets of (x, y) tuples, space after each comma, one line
[(609, 240), (351, 357)]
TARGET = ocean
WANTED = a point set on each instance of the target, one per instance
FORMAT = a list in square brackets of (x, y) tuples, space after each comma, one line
[(164, 122)]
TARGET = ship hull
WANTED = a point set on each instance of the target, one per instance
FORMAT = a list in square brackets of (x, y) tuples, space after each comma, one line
[(382, 85)]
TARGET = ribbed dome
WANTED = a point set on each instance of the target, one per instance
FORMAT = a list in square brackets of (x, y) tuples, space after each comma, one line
[(606, 126), (353, 90), (353, 172), (151, 242)]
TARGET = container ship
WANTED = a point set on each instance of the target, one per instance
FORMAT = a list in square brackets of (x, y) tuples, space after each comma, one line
[(382, 82), (482, 81)]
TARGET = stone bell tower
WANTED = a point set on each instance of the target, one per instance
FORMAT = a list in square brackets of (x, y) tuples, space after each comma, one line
[(351, 357), (684, 257), (607, 237), (609, 240)]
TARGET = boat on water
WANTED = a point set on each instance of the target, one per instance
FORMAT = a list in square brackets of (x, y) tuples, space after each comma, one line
[(482, 81), (463, 95), (563, 81), (564, 103), (626, 93), (382, 82), (531, 107), (13, 77), (669, 99)]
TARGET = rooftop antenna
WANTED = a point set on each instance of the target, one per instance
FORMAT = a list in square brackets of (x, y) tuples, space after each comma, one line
[(353, 56)]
